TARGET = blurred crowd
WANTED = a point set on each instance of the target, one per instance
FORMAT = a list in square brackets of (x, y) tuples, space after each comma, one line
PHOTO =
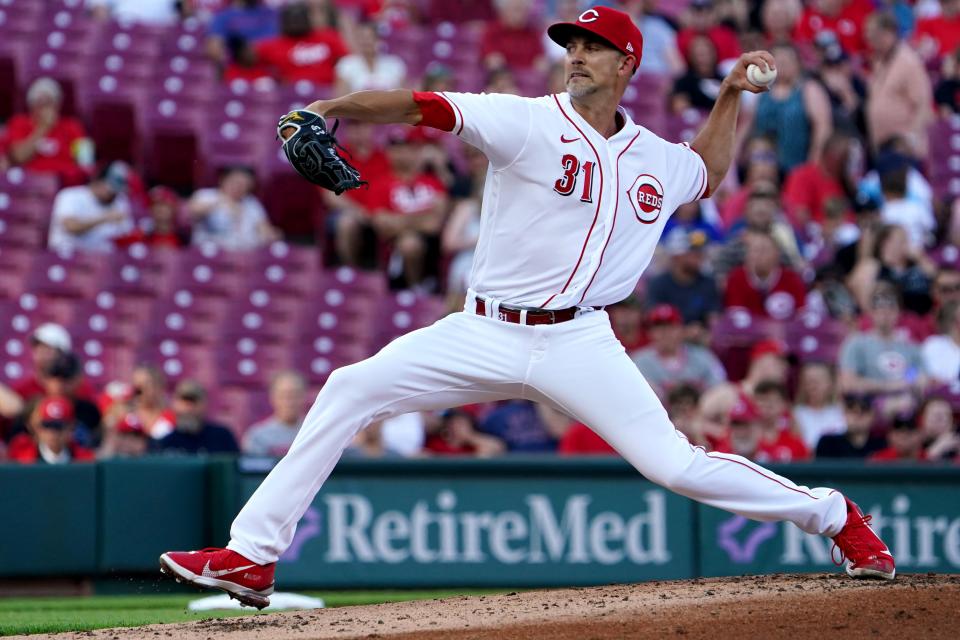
[(837, 222)]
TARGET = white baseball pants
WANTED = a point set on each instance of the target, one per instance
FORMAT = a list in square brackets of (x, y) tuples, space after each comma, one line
[(577, 366)]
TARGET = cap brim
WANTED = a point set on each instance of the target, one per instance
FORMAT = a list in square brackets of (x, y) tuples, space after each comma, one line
[(561, 32)]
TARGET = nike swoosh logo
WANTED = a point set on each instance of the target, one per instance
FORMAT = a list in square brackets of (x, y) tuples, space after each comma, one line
[(209, 573), (563, 139)]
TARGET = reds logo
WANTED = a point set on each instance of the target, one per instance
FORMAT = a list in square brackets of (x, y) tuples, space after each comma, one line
[(646, 198)]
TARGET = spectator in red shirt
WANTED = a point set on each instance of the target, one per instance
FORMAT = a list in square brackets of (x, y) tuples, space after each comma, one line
[(757, 165), (244, 64), (701, 19), (761, 285), (49, 439), (149, 401), (904, 442), (779, 442), (47, 343), (779, 18), (512, 40), (43, 140), (937, 36), (458, 435), (300, 52), (160, 229), (844, 17), (811, 186), (405, 209), (581, 440)]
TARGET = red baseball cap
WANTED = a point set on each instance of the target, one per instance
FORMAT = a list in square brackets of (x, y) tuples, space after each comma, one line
[(665, 314), (55, 410), (615, 27), (769, 346), (744, 410)]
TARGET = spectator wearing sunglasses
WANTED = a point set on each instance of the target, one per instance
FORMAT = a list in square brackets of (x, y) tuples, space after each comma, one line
[(193, 432)]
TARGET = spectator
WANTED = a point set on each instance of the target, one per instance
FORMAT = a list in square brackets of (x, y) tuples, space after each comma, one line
[(519, 425), (817, 412), (660, 53), (460, 233), (246, 20), (43, 141), (937, 37), (695, 217), (91, 217), (149, 403), (757, 165), (243, 64), (49, 437), (844, 86), (46, 342), (160, 229), (761, 285), (458, 435), (11, 404), (513, 40), (812, 186), (301, 52), (941, 439), (856, 441), (682, 405), (768, 362), (795, 111), (273, 436), (899, 96), (701, 19), (947, 92), (669, 361), (779, 19), (127, 439), (778, 442), (406, 211), (699, 86), (192, 432), (581, 440), (683, 284), (626, 320), (368, 443), (63, 378), (941, 353), (893, 261), (744, 432), (230, 215), (880, 361), (904, 442), (761, 215), (915, 217), (944, 290), (369, 68), (843, 17)]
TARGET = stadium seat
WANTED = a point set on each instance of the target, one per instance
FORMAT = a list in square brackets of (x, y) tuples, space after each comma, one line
[(66, 276)]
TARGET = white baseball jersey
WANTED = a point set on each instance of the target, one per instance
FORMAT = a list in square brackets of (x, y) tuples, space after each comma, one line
[(569, 217)]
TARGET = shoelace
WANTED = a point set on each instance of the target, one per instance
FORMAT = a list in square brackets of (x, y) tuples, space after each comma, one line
[(864, 522)]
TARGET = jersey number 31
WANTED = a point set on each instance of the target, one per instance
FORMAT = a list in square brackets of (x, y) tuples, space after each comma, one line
[(567, 183)]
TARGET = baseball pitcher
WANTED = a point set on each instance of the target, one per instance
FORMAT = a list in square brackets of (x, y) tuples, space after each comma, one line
[(576, 197)]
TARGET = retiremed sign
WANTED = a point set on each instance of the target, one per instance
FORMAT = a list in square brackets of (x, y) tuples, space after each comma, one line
[(545, 532)]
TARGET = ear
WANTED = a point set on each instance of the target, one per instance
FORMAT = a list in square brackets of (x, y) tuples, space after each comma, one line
[(628, 64)]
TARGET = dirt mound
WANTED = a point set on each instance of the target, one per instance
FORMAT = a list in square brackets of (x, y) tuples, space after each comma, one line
[(779, 606)]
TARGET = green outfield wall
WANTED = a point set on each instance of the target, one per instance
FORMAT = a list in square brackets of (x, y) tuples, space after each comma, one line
[(515, 521)]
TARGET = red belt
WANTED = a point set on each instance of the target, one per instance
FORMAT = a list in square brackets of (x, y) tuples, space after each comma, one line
[(534, 316)]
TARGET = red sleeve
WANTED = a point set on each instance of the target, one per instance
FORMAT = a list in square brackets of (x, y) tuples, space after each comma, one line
[(74, 129), (435, 111), (795, 194), (22, 449), (18, 128), (735, 294)]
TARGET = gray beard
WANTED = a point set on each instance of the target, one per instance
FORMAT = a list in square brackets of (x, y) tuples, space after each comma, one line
[(579, 91)]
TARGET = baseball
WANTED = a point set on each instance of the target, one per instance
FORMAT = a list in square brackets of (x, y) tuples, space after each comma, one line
[(761, 77)]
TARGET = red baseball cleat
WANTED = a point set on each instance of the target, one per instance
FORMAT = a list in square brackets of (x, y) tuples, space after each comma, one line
[(866, 554), (243, 579)]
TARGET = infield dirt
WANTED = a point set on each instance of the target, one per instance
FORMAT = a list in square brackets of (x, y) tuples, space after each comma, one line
[(823, 606)]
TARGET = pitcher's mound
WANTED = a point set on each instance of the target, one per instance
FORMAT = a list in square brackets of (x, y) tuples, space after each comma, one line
[(790, 607)]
